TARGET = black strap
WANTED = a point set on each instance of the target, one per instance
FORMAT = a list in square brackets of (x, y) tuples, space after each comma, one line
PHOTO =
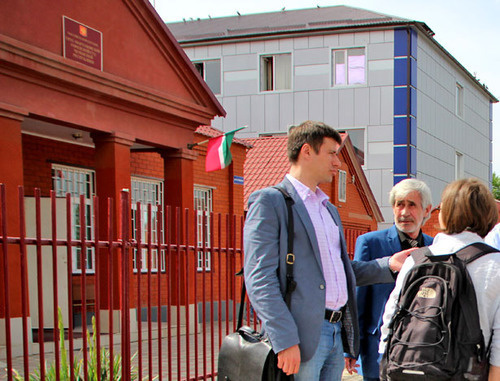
[(473, 251), (420, 254), (242, 301), (467, 254), (290, 260), (290, 256)]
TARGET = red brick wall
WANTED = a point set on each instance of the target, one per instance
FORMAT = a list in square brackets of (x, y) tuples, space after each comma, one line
[(38, 156), (431, 227), (146, 164)]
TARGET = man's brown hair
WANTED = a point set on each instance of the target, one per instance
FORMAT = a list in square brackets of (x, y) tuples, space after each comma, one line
[(467, 204), (309, 132)]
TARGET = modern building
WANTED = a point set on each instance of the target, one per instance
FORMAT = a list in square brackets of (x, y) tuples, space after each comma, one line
[(410, 108)]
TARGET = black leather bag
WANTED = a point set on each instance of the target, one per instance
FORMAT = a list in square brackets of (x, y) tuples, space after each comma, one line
[(247, 355)]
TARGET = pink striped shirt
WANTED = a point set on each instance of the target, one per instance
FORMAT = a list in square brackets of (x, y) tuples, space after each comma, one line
[(328, 237)]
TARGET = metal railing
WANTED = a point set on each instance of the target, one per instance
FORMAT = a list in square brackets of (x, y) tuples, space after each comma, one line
[(166, 322)]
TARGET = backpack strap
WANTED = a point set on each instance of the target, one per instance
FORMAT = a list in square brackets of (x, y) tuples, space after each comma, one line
[(474, 251), (421, 254), (290, 257), (467, 254)]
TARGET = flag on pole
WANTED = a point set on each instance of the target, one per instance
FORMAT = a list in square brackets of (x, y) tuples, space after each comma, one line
[(218, 151)]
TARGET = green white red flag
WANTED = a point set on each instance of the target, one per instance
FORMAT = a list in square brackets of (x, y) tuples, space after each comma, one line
[(218, 151)]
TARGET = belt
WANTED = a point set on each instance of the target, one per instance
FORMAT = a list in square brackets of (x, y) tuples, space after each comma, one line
[(333, 316)]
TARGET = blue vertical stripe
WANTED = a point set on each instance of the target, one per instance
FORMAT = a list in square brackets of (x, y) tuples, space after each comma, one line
[(405, 91)]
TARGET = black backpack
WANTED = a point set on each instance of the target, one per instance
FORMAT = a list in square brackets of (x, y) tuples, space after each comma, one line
[(435, 332)]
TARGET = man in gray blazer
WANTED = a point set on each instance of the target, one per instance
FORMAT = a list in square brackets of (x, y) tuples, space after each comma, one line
[(322, 323)]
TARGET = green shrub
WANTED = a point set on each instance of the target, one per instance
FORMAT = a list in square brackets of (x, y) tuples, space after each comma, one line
[(65, 375)]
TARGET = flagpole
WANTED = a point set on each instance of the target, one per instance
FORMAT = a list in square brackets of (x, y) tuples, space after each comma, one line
[(192, 145)]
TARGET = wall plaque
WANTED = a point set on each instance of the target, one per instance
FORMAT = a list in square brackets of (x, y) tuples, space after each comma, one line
[(82, 43)]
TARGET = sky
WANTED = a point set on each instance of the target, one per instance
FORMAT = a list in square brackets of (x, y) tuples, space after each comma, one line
[(468, 30)]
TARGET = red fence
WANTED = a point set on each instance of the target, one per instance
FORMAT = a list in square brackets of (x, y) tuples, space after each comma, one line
[(163, 321)]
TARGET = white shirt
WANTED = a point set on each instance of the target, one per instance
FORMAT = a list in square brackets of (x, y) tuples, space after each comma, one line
[(328, 238), (485, 275), (493, 237)]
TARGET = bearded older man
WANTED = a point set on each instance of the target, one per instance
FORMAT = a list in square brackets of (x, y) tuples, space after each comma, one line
[(411, 205)]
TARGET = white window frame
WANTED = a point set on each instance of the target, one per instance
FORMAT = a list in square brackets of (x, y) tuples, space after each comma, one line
[(342, 185), (203, 204), (459, 100), (347, 70), (365, 142), (77, 181), (200, 66), (147, 191), (268, 67), (459, 165)]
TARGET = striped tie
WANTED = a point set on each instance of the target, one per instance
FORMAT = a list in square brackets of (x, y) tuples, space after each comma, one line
[(412, 242)]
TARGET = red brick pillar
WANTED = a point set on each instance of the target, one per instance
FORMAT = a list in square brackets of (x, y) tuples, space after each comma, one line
[(112, 165), (179, 178), (11, 175), (179, 183)]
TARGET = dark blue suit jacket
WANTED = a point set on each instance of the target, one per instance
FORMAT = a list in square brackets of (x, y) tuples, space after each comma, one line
[(372, 299)]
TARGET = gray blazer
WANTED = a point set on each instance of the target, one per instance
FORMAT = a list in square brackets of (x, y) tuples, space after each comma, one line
[(265, 244)]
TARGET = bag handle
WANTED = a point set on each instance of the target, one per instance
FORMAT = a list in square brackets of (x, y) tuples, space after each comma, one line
[(290, 260)]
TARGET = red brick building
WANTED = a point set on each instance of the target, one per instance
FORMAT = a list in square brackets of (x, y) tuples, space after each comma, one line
[(98, 97), (267, 164)]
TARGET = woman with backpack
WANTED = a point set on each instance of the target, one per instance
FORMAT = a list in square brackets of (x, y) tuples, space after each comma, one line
[(467, 213)]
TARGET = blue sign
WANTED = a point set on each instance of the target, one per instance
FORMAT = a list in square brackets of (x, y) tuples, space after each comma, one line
[(238, 180)]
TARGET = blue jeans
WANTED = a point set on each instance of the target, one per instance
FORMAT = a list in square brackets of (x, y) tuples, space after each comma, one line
[(328, 360)]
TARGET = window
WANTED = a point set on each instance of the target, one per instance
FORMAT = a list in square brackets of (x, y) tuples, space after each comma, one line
[(342, 185), (276, 72), (349, 67), (459, 165), (358, 140), (203, 206), (76, 182), (146, 192), (460, 100), (210, 72)]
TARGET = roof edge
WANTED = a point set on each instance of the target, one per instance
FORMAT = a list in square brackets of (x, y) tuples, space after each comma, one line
[(179, 50), (481, 86), (419, 25), (369, 199), (288, 33)]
